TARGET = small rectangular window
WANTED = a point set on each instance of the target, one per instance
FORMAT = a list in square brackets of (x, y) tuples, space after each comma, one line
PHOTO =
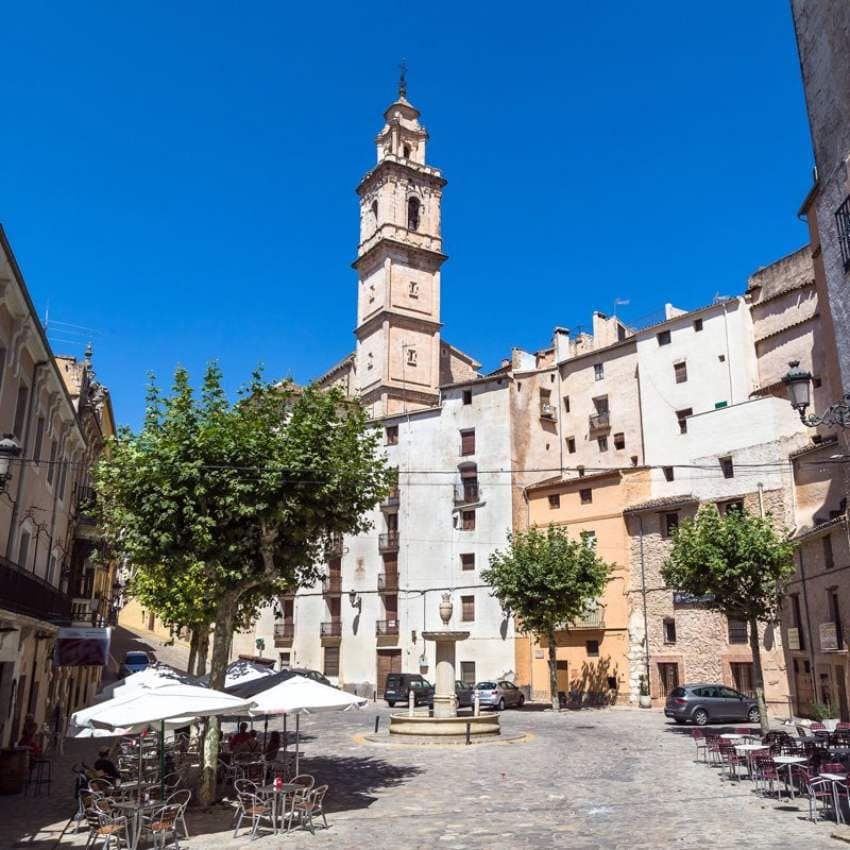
[(682, 417), (566, 404), (602, 442), (588, 538), (467, 520), (727, 467), (736, 505), (697, 325), (467, 442), (63, 477), (391, 435), (592, 648), (467, 673), (828, 554), (663, 338), (571, 445), (467, 561), (619, 440), (671, 523), (39, 439), (554, 501), (467, 396), (24, 550), (467, 606), (680, 371), (21, 412), (51, 469), (737, 631), (669, 475), (586, 496), (598, 371), (669, 630)]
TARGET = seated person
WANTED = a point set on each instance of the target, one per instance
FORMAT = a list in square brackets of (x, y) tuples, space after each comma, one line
[(105, 766), (238, 739), (252, 745), (273, 746)]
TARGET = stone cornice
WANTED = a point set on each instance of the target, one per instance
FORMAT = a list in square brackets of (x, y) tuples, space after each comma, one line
[(436, 258), (400, 319), (404, 167)]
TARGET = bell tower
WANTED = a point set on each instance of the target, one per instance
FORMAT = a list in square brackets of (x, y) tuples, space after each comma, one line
[(398, 268)]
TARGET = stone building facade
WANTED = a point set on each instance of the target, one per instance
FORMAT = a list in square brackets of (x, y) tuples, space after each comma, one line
[(42, 511)]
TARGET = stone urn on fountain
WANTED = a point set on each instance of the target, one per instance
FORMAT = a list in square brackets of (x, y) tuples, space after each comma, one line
[(445, 721)]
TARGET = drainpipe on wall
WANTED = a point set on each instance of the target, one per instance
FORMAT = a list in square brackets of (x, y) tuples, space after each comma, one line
[(643, 594), (22, 466), (728, 354)]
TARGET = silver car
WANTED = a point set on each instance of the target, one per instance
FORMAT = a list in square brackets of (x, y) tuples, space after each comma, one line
[(499, 695)]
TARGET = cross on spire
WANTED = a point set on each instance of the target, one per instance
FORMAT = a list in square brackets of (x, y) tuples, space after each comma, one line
[(402, 79)]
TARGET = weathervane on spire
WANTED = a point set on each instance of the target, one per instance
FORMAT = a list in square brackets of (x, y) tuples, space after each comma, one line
[(402, 78)]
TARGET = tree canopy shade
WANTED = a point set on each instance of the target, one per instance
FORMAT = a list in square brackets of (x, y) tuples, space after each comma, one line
[(221, 507), (546, 580), (740, 564)]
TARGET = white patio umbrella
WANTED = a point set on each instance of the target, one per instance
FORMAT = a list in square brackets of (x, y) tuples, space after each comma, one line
[(242, 671), (155, 703), (156, 675), (300, 695)]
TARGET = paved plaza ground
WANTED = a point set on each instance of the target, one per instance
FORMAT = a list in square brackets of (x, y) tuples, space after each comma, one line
[(612, 778)]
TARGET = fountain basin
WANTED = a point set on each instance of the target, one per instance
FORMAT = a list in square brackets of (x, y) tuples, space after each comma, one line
[(422, 724)]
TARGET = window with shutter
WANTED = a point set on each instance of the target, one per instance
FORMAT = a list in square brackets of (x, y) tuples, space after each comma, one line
[(467, 520), (331, 666), (21, 412), (467, 604), (467, 442), (467, 561)]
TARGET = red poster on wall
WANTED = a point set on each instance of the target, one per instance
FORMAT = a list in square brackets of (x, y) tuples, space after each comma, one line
[(82, 647)]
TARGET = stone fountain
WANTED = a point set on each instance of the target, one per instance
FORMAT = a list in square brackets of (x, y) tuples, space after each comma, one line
[(445, 721)]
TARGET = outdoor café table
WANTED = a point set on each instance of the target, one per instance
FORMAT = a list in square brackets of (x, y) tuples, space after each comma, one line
[(134, 810), (278, 796), (748, 750), (788, 762), (834, 778)]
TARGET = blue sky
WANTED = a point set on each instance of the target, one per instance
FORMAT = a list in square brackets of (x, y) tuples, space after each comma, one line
[(180, 177)]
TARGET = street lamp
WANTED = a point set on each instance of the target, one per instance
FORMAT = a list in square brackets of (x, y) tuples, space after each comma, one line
[(9, 448), (798, 382)]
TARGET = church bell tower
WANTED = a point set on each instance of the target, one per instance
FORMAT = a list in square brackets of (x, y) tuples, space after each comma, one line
[(398, 268)]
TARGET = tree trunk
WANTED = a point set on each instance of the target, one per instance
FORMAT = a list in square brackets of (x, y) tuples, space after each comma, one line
[(553, 672), (203, 650), (758, 674), (222, 640), (193, 653)]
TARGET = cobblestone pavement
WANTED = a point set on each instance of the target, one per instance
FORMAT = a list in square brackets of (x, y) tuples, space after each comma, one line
[(615, 778)]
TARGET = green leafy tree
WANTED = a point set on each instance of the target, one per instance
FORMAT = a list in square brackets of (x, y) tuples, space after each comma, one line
[(221, 507), (741, 565), (546, 580)]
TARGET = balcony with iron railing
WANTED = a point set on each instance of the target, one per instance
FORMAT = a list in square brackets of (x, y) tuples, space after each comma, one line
[(25, 593), (284, 633), (384, 628), (594, 618), (600, 421), (388, 541), (467, 493), (387, 582), (331, 629), (391, 502), (332, 583)]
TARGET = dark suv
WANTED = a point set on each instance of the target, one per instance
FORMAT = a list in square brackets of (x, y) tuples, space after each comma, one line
[(398, 686), (706, 703)]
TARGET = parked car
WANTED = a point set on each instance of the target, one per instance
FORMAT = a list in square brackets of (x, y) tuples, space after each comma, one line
[(499, 695), (135, 662), (315, 675), (398, 685), (708, 703), (465, 694)]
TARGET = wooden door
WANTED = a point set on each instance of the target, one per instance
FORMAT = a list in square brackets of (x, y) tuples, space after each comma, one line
[(803, 686), (668, 676), (389, 661)]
